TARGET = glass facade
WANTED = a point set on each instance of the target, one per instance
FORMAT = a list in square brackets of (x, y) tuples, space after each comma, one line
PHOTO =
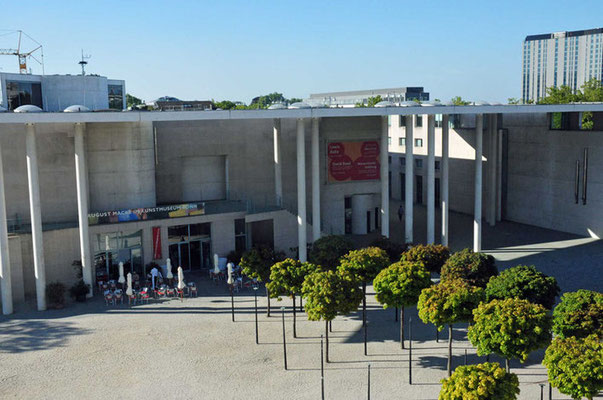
[(190, 246), (23, 93), (111, 248), (116, 97)]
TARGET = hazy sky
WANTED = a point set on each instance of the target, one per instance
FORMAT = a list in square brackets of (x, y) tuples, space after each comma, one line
[(240, 49)]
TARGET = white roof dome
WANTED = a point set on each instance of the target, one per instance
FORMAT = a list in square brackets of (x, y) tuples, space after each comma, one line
[(299, 104), (410, 104), (277, 106), (77, 108), (384, 103), (431, 103), (28, 108), (481, 103)]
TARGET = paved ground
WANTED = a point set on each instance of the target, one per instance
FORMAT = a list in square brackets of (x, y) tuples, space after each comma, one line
[(192, 350)]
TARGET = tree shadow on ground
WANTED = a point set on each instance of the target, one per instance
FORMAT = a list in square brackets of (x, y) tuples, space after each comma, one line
[(32, 335)]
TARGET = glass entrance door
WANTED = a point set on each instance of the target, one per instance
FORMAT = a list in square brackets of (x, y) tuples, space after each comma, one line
[(196, 256)]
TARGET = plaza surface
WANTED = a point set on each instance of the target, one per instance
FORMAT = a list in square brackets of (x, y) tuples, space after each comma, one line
[(192, 349)]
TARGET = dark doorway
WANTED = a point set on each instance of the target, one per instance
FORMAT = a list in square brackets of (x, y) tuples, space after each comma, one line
[(419, 192), (348, 215), (368, 221), (437, 192), (403, 187), (376, 217)]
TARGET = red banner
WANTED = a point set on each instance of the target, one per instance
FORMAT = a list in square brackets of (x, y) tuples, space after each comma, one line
[(157, 243), (353, 161)]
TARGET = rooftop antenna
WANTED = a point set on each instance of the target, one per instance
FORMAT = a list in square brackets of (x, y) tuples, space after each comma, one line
[(24, 55), (83, 63)]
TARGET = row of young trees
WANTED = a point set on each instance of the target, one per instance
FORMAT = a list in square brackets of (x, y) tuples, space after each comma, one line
[(509, 313)]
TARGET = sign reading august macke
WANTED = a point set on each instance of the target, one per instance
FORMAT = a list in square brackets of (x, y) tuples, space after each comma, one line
[(148, 213)]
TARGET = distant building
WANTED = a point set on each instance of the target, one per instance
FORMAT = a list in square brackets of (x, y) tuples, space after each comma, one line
[(56, 92), (561, 58), (167, 103), (351, 98)]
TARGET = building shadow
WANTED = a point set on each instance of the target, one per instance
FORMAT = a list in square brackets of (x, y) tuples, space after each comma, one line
[(31, 335)]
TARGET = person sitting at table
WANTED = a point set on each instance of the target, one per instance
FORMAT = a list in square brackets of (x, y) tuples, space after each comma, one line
[(154, 274)]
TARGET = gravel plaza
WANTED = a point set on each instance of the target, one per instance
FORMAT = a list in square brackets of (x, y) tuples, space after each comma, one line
[(192, 349)]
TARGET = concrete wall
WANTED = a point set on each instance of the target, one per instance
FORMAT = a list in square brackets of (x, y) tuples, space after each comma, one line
[(62, 91)]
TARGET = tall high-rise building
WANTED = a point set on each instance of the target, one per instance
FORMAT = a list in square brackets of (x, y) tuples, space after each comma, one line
[(561, 58)]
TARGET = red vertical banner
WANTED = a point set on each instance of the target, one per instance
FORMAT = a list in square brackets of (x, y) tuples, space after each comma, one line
[(156, 243)]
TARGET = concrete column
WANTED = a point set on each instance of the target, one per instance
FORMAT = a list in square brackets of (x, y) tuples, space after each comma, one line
[(492, 170), (81, 179), (5, 275), (36, 215), (409, 178), (477, 218), (383, 159), (444, 180), (315, 180), (499, 135), (301, 190), (430, 179), (278, 174)]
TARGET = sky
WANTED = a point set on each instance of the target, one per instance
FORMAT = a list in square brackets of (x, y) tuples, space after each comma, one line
[(236, 50)]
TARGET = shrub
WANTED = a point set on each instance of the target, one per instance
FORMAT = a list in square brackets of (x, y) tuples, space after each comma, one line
[(327, 250), (480, 382), (287, 277), (365, 264), (394, 250), (524, 282), (329, 293), (79, 290), (575, 366), (432, 255), (511, 328), (254, 266), (55, 294), (579, 314), (475, 268)]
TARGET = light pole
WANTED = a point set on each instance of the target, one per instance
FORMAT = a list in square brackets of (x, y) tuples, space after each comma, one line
[(255, 287), (230, 285), (284, 339)]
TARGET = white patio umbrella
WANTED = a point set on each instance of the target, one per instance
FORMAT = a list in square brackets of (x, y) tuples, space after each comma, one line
[(129, 291), (229, 266), (216, 264), (121, 279), (169, 269), (181, 284)]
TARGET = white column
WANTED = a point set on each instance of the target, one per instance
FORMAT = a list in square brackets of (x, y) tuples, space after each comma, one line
[(499, 136), (36, 215), (315, 180), (477, 218), (409, 178), (301, 191), (492, 170), (81, 179), (278, 175), (430, 179), (444, 180), (383, 159), (5, 278)]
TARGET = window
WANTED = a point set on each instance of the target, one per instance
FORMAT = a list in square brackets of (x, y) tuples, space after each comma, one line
[(418, 142), (402, 120), (402, 161), (419, 120), (419, 163), (437, 165), (240, 235), (116, 97), (23, 93), (438, 121), (389, 140), (402, 141), (389, 159), (559, 121)]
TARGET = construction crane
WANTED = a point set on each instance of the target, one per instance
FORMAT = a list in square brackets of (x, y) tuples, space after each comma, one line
[(22, 54)]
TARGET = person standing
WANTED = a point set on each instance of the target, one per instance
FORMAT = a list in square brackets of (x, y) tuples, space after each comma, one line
[(400, 213), (154, 274)]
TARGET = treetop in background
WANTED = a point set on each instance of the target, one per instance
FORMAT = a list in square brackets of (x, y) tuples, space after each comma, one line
[(592, 91), (394, 250), (401, 283), (525, 282), (287, 277), (365, 263), (433, 256), (327, 250), (475, 268), (579, 314), (329, 293)]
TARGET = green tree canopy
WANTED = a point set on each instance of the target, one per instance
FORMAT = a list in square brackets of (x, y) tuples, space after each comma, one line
[(513, 100), (475, 268), (329, 293), (511, 328), (592, 91), (132, 101), (449, 302), (287, 277), (256, 262), (327, 250), (401, 283), (480, 382), (575, 366), (365, 263), (371, 101), (393, 249), (579, 314), (525, 282), (458, 101), (225, 104), (433, 256)]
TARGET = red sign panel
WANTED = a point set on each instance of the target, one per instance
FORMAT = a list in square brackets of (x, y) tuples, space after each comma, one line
[(157, 243), (353, 161)]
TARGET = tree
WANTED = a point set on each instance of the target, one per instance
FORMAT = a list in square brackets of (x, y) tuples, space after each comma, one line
[(327, 250), (286, 279), (592, 91), (329, 293), (225, 104), (475, 268), (525, 282), (480, 382), (394, 250), (400, 285), (432, 255), (371, 102), (579, 314), (132, 101), (447, 303), (513, 100), (575, 366), (364, 264), (559, 95), (256, 264), (458, 101), (511, 328)]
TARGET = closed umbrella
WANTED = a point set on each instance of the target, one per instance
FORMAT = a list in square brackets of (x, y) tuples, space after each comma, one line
[(216, 264), (181, 284), (229, 266), (122, 278), (169, 269), (129, 290)]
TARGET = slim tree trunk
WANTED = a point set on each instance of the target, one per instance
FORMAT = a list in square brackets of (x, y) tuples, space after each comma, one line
[(402, 327), (327, 340), (363, 303), (268, 298), (507, 365), (294, 319), (301, 304), (449, 350)]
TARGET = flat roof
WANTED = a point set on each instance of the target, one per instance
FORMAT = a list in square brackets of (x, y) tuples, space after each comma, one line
[(563, 34), (369, 91), (151, 116)]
